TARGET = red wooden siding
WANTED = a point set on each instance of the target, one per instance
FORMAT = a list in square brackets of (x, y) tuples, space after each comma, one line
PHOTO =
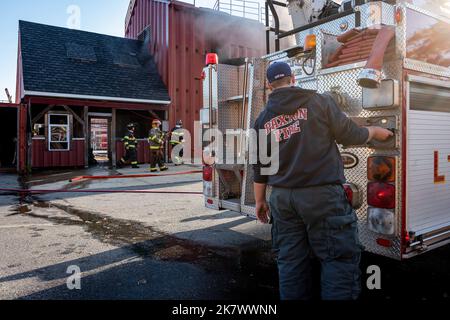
[(181, 35), (42, 158)]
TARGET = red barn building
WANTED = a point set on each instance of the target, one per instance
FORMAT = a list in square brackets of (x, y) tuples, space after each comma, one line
[(68, 80), (180, 36)]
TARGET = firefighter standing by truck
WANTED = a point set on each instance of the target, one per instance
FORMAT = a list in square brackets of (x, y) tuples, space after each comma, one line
[(176, 139), (308, 205), (130, 143), (156, 140)]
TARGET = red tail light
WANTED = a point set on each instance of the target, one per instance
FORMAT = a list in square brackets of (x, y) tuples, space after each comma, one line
[(212, 58), (381, 195), (207, 173), (384, 242)]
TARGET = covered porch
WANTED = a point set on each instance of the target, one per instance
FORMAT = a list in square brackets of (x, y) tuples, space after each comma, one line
[(82, 133)]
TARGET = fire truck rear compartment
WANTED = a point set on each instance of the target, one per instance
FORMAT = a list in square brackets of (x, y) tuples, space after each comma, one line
[(231, 115), (386, 229)]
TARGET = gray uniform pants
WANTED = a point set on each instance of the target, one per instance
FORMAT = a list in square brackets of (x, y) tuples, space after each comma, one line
[(316, 221)]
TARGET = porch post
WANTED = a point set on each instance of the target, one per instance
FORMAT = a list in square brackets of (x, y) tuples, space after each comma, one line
[(166, 118), (113, 139), (22, 137), (86, 136)]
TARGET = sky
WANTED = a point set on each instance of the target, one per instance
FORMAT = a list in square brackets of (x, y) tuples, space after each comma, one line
[(101, 16)]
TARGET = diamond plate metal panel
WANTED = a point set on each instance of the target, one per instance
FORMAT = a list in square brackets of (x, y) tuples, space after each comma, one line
[(427, 68), (375, 13), (210, 88), (257, 102), (308, 83), (230, 86), (332, 27), (345, 82)]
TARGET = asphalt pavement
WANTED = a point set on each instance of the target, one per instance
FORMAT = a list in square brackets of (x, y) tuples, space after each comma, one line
[(157, 246)]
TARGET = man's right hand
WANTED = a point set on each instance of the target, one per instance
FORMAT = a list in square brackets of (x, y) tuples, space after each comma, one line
[(379, 133)]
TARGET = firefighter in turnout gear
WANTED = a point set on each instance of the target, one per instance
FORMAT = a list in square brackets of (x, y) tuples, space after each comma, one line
[(130, 143), (156, 140), (176, 139)]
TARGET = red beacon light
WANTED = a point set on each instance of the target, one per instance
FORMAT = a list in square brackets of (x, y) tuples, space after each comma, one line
[(212, 58)]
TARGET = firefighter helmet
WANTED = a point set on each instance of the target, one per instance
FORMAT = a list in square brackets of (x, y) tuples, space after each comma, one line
[(180, 123), (131, 126), (156, 122)]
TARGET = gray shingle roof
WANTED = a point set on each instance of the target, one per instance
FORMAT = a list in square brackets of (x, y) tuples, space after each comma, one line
[(73, 62)]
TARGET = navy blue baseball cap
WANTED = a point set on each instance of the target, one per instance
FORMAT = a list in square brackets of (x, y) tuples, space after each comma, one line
[(277, 71)]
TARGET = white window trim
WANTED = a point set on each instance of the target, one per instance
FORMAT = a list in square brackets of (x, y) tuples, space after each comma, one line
[(50, 126)]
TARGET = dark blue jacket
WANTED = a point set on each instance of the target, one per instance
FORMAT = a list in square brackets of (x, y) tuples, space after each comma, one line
[(308, 126)]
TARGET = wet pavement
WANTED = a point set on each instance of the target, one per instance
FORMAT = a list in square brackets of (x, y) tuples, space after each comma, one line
[(139, 247), (121, 258)]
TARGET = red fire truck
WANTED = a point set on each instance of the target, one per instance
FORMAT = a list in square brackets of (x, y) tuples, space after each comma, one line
[(387, 63)]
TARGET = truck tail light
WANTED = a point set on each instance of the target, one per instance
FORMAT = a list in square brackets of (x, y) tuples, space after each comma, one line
[(352, 193), (207, 173), (381, 195), (381, 221), (381, 169), (384, 242), (212, 58)]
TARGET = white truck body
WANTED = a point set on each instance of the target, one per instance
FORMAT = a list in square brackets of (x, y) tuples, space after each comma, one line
[(413, 100)]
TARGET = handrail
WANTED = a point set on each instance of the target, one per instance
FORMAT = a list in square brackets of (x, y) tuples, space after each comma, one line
[(241, 8)]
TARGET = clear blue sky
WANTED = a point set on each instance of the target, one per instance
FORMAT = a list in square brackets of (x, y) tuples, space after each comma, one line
[(101, 16)]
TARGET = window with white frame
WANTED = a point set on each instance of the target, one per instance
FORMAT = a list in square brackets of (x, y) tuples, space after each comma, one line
[(59, 132)]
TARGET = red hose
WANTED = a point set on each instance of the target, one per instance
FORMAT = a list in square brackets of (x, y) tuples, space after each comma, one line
[(135, 176), (100, 191)]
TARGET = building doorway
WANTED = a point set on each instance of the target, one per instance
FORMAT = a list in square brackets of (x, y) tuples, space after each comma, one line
[(8, 138), (100, 140)]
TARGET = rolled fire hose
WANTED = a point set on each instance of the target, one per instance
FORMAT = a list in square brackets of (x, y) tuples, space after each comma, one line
[(370, 77), (346, 36)]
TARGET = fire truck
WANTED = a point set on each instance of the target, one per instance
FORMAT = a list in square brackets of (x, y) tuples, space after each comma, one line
[(386, 63)]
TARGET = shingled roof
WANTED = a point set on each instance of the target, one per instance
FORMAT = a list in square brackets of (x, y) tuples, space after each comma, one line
[(67, 63)]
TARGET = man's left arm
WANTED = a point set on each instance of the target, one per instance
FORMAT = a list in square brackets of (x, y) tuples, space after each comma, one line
[(260, 184)]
